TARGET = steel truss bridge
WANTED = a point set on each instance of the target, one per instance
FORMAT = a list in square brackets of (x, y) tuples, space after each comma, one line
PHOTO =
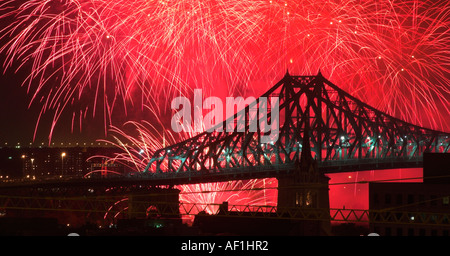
[(342, 133), (339, 131)]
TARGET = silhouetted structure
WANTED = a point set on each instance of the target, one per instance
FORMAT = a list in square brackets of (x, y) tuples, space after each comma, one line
[(345, 134), (321, 129), (414, 209)]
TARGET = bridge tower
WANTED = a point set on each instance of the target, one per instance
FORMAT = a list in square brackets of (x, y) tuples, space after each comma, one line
[(305, 189)]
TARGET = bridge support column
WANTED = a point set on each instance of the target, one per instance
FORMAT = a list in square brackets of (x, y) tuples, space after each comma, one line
[(305, 193)]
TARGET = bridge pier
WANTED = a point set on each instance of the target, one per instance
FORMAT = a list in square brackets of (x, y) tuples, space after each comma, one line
[(305, 193)]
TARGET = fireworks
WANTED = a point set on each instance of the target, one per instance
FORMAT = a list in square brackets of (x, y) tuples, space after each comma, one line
[(113, 57), (260, 192), (120, 57), (138, 149)]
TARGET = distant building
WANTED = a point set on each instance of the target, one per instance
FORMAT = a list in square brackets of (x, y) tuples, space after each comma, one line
[(11, 164), (414, 209), (41, 162)]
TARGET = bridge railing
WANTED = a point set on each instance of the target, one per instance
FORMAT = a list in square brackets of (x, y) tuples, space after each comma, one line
[(341, 165), (223, 172)]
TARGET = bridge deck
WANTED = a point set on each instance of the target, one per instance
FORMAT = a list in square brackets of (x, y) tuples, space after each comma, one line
[(242, 173)]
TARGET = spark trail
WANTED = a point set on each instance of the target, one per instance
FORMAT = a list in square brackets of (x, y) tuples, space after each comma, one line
[(93, 57), (114, 57)]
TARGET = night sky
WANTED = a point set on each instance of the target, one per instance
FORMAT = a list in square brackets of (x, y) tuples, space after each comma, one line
[(18, 120), (370, 49)]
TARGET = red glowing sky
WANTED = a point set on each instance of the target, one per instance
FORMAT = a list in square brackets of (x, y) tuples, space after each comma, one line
[(106, 55), (93, 63)]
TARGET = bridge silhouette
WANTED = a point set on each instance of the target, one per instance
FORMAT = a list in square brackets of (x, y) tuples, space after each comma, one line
[(340, 132), (316, 118), (322, 129)]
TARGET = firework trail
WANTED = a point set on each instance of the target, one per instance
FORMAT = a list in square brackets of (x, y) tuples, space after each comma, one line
[(114, 57), (117, 57)]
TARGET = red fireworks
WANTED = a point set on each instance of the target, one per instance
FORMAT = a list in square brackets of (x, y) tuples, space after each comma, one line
[(110, 56), (116, 57), (138, 149)]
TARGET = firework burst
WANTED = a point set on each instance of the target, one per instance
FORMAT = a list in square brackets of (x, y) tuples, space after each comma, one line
[(117, 57), (138, 149)]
